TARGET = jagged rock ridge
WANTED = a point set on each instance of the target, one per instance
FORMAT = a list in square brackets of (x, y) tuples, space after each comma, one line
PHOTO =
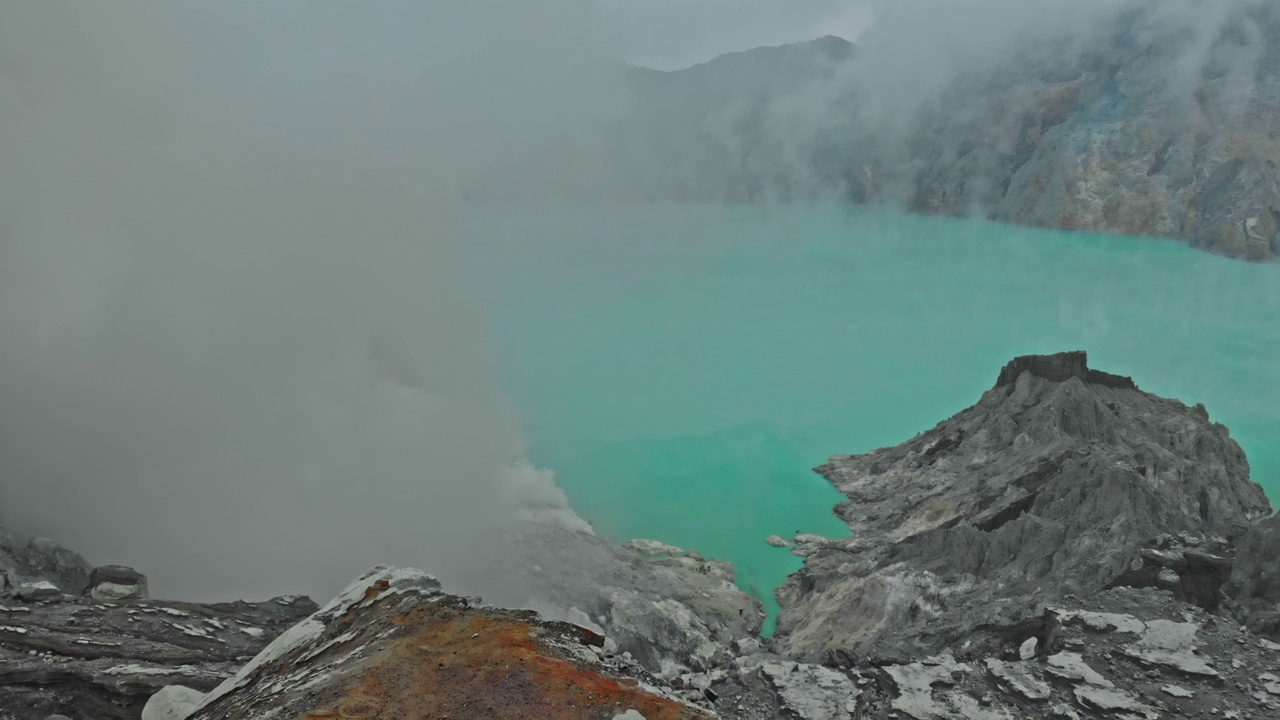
[(1053, 484)]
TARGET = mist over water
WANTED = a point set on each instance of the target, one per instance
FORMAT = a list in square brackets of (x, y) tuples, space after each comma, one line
[(684, 367)]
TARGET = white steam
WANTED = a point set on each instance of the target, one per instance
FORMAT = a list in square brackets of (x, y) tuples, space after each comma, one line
[(234, 349)]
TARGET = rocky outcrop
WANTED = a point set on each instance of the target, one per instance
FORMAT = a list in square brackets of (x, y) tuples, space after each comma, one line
[(393, 645), (91, 660), (116, 582), (41, 560), (1059, 481), (1105, 137), (86, 643)]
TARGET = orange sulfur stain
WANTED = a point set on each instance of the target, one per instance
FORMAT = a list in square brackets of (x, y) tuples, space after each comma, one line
[(453, 661)]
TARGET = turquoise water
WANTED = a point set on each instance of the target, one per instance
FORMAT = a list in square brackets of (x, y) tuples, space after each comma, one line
[(682, 368)]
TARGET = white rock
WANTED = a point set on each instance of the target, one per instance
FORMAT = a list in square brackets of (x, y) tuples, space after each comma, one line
[(813, 692), (116, 591), (1104, 622), (1064, 711), (653, 547), (1110, 700), (777, 541), (629, 715), (43, 590), (1028, 648), (1178, 692), (923, 695), (173, 702), (1070, 666), (1019, 678), (1172, 645)]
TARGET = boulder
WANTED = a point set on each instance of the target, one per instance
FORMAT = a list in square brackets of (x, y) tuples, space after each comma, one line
[(116, 582), (40, 560), (37, 591), (45, 559), (173, 702)]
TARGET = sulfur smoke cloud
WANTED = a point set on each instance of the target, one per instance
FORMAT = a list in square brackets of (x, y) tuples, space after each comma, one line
[(234, 349)]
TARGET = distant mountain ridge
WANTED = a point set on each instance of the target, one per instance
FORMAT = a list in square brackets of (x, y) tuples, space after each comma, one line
[(1126, 133)]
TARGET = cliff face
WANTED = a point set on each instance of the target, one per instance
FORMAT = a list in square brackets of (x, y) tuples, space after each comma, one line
[(1123, 139), (1160, 119)]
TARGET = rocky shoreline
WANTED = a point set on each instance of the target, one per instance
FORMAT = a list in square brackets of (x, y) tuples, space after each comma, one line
[(1069, 547)]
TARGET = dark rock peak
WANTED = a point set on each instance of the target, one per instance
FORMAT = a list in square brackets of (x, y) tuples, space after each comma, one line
[(1053, 484), (1060, 367)]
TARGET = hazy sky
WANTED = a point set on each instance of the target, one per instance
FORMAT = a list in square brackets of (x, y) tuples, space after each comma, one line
[(668, 34)]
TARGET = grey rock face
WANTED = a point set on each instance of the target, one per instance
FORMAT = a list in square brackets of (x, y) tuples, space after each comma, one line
[(812, 692), (37, 591), (673, 610), (1137, 126), (41, 560), (174, 702), (1255, 577), (1109, 140), (1053, 484)]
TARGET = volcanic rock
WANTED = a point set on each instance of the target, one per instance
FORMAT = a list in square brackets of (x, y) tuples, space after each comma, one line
[(1051, 485), (174, 702), (393, 645), (116, 582), (91, 660)]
